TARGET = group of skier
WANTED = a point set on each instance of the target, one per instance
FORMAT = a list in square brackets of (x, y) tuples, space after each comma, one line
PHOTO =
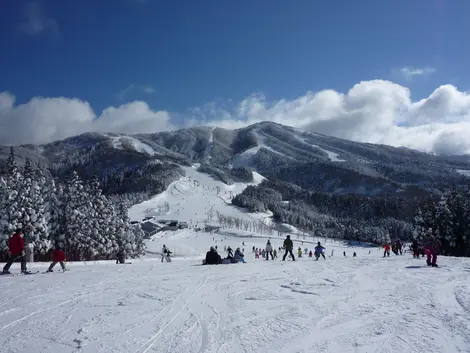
[(430, 246), (16, 249), (213, 258)]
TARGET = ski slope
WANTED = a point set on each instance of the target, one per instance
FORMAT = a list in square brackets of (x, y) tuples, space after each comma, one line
[(196, 199), (364, 304)]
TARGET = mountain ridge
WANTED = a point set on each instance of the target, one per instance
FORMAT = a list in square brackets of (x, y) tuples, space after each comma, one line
[(308, 159)]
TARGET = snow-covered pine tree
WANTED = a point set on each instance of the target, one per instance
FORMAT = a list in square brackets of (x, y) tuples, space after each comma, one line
[(77, 206), (56, 214), (15, 196), (3, 215), (452, 218), (139, 244), (33, 209), (124, 233), (103, 222)]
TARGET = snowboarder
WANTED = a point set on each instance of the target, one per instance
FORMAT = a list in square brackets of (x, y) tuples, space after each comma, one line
[(16, 250), (120, 257), (387, 250), (58, 256), (166, 254), (431, 248), (319, 250), (269, 250), (288, 245)]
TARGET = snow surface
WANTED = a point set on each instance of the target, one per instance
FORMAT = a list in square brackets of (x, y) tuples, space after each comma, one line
[(135, 143), (363, 304), (192, 203), (333, 156)]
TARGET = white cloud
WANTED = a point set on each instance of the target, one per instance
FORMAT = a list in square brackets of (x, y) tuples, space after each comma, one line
[(133, 87), (371, 111), (36, 21), (43, 120), (410, 72)]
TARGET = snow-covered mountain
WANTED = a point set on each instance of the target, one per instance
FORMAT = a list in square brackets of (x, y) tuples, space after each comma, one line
[(312, 161)]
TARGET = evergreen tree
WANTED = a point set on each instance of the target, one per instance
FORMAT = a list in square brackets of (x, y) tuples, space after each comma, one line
[(76, 218), (3, 215)]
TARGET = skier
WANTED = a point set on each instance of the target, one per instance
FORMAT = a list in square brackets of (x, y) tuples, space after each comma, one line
[(332, 253), (263, 253), (387, 250), (16, 249), (415, 249), (269, 250), (319, 250), (288, 245), (299, 252), (310, 254), (431, 248), (275, 253), (344, 253), (253, 248), (229, 252), (58, 256), (166, 254), (354, 254), (399, 247)]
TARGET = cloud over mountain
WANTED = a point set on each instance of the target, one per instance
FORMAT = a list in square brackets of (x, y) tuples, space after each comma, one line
[(372, 111)]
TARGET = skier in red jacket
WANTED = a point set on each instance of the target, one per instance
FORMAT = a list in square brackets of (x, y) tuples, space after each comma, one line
[(58, 256), (16, 249)]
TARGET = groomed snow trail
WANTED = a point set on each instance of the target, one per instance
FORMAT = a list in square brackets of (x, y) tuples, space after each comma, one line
[(364, 304)]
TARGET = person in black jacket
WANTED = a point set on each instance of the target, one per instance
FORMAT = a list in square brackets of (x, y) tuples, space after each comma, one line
[(212, 257)]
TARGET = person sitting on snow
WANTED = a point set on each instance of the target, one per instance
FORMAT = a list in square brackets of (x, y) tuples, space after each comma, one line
[(212, 257), (319, 250), (238, 256)]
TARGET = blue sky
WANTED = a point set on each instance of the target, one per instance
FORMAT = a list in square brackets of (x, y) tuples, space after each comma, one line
[(192, 52), (183, 54)]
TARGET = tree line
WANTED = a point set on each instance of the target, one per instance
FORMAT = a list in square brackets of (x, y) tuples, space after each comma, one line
[(73, 214)]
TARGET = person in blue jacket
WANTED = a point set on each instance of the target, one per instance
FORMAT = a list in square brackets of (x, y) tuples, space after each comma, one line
[(319, 251)]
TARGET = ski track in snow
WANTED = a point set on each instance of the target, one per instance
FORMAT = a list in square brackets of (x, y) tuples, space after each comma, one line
[(364, 304)]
